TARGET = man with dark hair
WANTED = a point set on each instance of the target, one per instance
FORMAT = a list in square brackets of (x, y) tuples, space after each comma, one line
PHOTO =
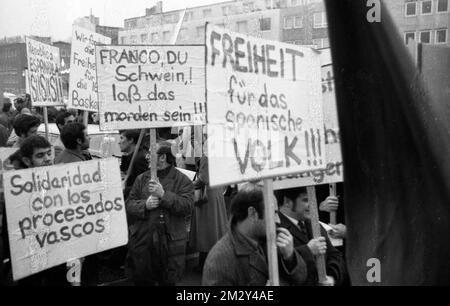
[(128, 142), (24, 127), (294, 216), (239, 259), (157, 227), (62, 119), (35, 151), (76, 140)]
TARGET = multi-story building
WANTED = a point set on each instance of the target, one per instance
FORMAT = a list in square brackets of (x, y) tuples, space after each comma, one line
[(425, 21), (260, 18), (13, 62), (92, 23)]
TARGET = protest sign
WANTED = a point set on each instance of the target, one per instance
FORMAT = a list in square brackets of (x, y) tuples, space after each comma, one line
[(43, 77), (264, 108), (333, 171), (83, 71), (63, 212), (151, 86)]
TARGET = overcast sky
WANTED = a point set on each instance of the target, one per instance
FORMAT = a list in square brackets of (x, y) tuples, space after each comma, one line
[(55, 17)]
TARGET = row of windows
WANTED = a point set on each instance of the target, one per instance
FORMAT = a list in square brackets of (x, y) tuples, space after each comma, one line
[(295, 22), (426, 36), (426, 7), (8, 53), (319, 43), (265, 24)]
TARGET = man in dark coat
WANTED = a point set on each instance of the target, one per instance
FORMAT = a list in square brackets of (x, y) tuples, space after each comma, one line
[(76, 142), (157, 227), (238, 258), (294, 216)]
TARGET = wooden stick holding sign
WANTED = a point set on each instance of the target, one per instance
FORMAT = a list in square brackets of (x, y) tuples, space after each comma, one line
[(271, 235), (86, 118), (46, 122), (153, 155), (314, 216), (333, 213)]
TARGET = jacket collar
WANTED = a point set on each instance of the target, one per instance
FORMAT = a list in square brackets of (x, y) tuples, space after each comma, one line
[(75, 153), (293, 228)]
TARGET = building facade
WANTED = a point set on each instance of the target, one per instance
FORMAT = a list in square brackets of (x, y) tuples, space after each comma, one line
[(425, 21), (259, 18)]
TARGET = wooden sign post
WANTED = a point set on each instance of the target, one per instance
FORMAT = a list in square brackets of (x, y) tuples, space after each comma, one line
[(153, 155), (314, 216), (333, 213), (46, 121), (271, 235)]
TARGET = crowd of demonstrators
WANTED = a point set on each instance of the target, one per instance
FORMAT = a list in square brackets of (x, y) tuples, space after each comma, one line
[(239, 258)]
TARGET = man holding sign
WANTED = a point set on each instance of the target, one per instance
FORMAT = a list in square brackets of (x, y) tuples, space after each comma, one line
[(156, 216)]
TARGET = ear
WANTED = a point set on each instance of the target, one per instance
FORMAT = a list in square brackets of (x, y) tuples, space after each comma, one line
[(162, 158), (287, 202), (27, 161), (252, 213)]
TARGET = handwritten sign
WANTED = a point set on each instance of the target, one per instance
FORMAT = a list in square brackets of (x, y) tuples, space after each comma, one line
[(83, 71), (43, 78), (264, 108), (63, 212), (151, 86), (5, 153), (334, 171)]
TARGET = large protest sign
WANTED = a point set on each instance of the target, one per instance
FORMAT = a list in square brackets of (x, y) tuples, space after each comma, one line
[(333, 171), (44, 79), (83, 71), (264, 108), (150, 86), (63, 212)]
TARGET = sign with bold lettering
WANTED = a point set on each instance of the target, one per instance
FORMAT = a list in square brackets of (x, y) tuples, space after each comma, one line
[(334, 171), (151, 86), (43, 77), (264, 111), (83, 71), (63, 212)]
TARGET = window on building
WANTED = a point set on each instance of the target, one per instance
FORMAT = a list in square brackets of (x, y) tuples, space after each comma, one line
[(288, 22), (166, 36), (249, 6), (122, 41), (144, 37), (410, 9), (409, 36), (264, 24), (298, 22), (425, 37), (442, 6), (268, 3), (427, 7), (321, 43), (207, 13), (225, 10), (155, 37), (200, 31), (295, 2), (242, 26), (441, 36), (133, 39), (320, 20)]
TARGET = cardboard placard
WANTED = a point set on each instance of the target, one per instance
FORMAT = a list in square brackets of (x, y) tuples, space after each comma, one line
[(83, 71), (333, 172), (63, 212), (265, 115), (43, 76), (151, 86)]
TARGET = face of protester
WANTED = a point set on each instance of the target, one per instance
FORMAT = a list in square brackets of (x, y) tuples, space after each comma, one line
[(41, 157), (125, 144), (301, 207), (32, 131), (67, 120), (84, 143)]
